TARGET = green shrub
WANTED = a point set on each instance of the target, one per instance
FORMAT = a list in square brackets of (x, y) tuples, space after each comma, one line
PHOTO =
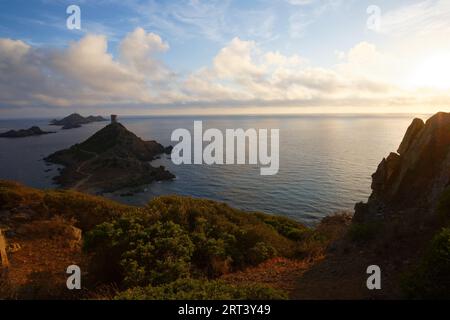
[(88, 210), (176, 237), (189, 289), (284, 226), (140, 254), (431, 279), (261, 252)]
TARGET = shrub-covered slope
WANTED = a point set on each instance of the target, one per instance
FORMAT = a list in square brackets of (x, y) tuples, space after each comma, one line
[(148, 249)]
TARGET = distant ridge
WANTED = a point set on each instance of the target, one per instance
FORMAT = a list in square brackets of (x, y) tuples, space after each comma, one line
[(33, 131), (75, 120)]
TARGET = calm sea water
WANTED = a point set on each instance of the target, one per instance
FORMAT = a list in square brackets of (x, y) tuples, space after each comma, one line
[(326, 161)]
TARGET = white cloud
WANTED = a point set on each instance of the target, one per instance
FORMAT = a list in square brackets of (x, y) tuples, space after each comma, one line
[(429, 17), (89, 64), (300, 2), (237, 60), (306, 13), (364, 60), (139, 51), (241, 74), (83, 74), (242, 71)]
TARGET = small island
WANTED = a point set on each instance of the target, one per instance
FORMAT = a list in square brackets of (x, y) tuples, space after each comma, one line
[(112, 159), (22, 133), (75, 120)]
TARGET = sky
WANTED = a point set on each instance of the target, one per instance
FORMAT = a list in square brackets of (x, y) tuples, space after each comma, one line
[(149, 57)]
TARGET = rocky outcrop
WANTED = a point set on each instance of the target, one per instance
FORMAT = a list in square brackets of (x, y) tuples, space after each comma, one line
[(415, 127), (33, 131), (112, 159), (415, 177)]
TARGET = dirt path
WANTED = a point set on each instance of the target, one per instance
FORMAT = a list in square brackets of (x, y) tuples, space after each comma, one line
[(280, 273), (337, 277), (78, 185)]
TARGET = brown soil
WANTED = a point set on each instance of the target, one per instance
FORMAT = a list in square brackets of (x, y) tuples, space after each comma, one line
[(279, 273), (37, 269)]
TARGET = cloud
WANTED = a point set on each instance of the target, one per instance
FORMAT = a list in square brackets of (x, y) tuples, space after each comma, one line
[(22, 77), (242, 71), (183, 20), (298, 23), (214, 20), (364, 60), (237, 59), (306, 13), (83, 74), (429, 17), (139, 52), (300, 2), (241, 74), (88, 65)]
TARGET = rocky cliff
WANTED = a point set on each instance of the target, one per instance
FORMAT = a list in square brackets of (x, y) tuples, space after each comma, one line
[(413, 178)]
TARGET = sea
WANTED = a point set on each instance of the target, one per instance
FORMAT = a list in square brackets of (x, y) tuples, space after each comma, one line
[(326, 161)]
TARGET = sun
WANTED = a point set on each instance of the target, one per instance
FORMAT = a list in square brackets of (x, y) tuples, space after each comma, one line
[(433, 72)]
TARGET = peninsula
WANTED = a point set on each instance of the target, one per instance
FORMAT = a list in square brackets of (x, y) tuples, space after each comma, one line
[(112, 159)]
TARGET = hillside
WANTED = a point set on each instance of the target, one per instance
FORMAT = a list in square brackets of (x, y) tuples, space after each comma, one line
[(148, 252), (112, 159)]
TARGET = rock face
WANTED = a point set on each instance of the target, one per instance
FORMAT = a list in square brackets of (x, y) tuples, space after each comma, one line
[(416, 176), (75, 121), (112, 159), (33, 131)]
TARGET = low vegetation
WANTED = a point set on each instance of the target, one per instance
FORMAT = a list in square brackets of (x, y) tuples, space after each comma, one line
[(431, 279), (177, 238), (146, 252), (180, 248), (188, 289)]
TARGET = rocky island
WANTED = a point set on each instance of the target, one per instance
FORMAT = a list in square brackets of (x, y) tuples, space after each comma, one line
[(33, 131), (75, 121), (112, 159)]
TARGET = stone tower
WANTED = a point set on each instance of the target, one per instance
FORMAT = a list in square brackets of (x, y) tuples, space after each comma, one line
[(113, 118)]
